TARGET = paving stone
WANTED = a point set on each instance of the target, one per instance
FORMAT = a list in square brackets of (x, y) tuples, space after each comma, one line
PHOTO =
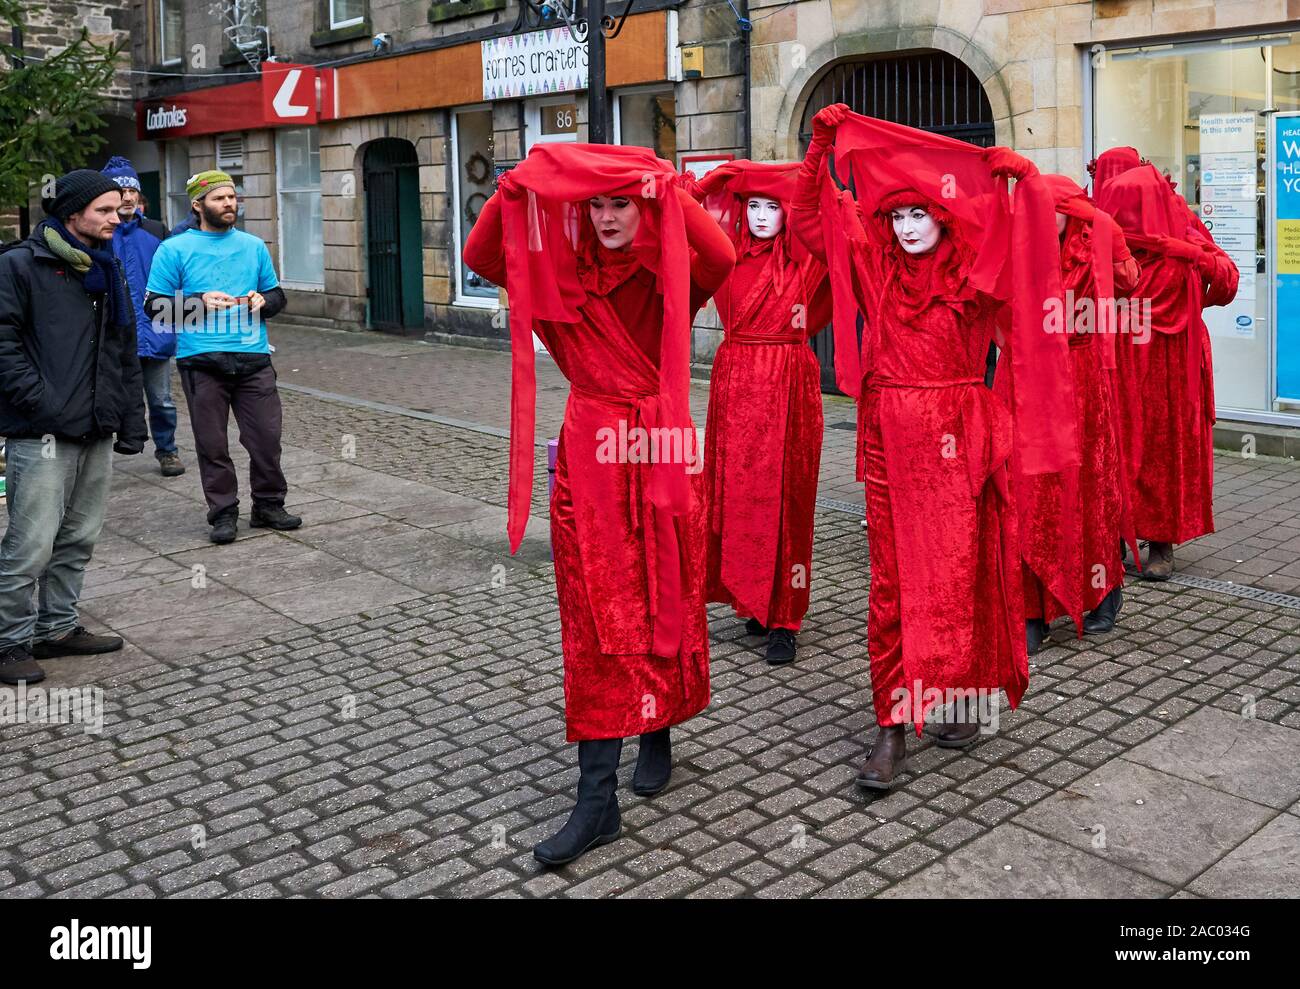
[(1160, 825), (1013, 863)]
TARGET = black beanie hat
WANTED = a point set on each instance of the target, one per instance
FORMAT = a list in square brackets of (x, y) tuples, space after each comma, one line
[(75, 191)]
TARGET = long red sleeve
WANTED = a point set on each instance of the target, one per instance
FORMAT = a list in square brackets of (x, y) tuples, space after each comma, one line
[(484, 249), (712, 254), (1219, 272), (805, 215)]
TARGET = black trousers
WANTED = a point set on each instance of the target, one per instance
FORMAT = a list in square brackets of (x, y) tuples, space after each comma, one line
[(255, 400)]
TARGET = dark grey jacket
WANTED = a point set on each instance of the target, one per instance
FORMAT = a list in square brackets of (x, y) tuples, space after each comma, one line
[(64, 371)]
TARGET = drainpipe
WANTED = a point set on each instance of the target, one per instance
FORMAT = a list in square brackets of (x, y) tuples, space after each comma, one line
[(746, 30)]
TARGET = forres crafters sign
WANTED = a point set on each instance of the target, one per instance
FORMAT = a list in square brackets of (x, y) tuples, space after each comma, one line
[(539, 62)]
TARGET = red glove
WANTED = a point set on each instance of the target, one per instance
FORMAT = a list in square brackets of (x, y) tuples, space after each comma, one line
[(1004, 162), (827, 119), (1172, 247), (691, 184)]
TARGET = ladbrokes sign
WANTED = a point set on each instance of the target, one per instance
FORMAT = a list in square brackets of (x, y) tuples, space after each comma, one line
[(285, 95), (165, 119)]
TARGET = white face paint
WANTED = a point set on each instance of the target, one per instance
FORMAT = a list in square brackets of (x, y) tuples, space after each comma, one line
[(1060, 223), (917, 231), (765, 217), (616, 219)]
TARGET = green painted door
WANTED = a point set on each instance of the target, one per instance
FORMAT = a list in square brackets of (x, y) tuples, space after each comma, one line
[(395, 264)]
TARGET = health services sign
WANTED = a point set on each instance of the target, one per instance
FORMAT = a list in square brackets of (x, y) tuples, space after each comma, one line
[(1286, 233)]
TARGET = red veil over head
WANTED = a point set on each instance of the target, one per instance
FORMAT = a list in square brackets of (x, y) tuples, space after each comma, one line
[(1071, 200), (549, 245), (725, 192), (1111, 164), (877, 157), (914, 283), (1157, 221)]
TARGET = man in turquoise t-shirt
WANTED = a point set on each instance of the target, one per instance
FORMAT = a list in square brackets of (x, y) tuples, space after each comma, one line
[(215, 285)]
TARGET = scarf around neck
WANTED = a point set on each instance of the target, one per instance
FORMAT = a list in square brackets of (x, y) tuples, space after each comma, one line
[(99, 269)]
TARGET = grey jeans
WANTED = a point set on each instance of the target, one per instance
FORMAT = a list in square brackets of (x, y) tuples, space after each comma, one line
[(56, 492)]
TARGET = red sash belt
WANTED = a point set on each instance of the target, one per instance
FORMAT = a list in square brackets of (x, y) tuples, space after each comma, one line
[(754, 338), (656, 526)]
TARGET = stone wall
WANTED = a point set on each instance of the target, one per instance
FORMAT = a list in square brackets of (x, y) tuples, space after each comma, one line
[(1028, 54)]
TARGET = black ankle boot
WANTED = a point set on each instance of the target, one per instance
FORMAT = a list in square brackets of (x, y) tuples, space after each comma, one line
[(595, 819), (654, 763), (1102, 618), (1035, 632)]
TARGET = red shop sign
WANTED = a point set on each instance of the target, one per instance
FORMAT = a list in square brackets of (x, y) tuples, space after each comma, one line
[(286, 95)]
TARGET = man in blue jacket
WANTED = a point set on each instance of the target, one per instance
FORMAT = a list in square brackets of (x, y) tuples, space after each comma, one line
[(134, 242)]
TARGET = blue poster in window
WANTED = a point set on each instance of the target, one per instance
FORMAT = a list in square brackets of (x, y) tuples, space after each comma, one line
[(1286, 232)]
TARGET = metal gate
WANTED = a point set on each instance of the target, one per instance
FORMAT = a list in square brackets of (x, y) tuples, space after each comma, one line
[(932, 91), (393, 245)]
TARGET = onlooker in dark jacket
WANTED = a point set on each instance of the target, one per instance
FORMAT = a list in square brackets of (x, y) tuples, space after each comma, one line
[(69, 380), (134, 241), (191, 222), (226, 277)]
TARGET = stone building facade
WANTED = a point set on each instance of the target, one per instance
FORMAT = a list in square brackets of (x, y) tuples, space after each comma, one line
[(415, 105), (367, 206)]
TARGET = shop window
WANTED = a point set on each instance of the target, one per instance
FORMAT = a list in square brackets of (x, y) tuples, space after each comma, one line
[(171, 37), (302, 232), (345, 13), (473, 183), (1195, 111), (648, 118), (176, 160)]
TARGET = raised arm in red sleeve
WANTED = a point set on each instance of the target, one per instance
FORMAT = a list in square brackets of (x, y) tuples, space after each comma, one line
[(712, 255), (1127, 270), (484, 251)]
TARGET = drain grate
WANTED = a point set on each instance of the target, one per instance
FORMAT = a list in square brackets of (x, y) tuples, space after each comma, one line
[(1244, 591), (847, 507)]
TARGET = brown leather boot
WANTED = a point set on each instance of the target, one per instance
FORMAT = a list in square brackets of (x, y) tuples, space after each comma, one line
[(1160, 561), (886, 760), (959, 727)]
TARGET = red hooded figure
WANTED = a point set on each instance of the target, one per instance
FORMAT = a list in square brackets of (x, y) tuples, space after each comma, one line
[(764, 439), (930, 253), (606, 259), (1071, 522), (1165, 365)]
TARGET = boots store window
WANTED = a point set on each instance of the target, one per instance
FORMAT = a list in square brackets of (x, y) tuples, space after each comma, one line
[(1200, 111), (176, 159), (472, 184), (302, 234), (647, 116)]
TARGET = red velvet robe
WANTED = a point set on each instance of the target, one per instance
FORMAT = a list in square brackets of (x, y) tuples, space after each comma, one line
[(764, 438), (617, 549), (1168, 369), (946, 609), (1070, 523)]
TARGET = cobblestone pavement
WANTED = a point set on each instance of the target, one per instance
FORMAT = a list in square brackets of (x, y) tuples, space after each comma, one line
[(372, 705)]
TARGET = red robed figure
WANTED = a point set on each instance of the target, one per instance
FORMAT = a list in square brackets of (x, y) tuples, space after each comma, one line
[(626, 524), (1071, 522), (764, 429), (933, 441), (1165, 366)]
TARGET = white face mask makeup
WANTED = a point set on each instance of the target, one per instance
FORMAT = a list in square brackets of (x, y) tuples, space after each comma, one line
[(616, 219), (765, 217), (917, 231)]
